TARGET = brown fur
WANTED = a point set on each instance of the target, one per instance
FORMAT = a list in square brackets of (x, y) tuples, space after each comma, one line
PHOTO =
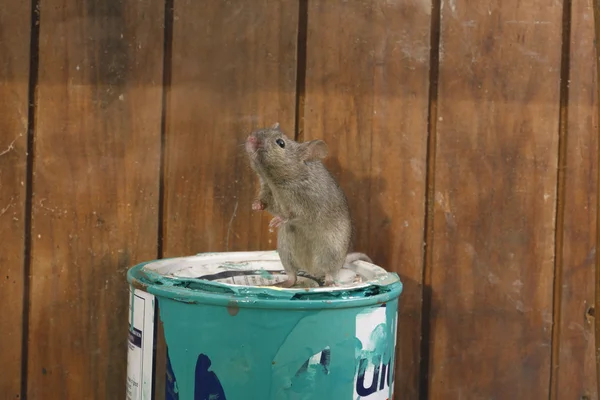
[(309, 206)]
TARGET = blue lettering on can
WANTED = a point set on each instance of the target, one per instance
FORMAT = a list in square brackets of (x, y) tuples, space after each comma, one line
[(324, 360), (135, 336), (171, 383), (383, 380), (207, 384), (360, 382)]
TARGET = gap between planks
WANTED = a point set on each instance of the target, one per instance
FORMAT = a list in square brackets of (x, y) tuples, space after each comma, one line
[(166, 87), (560, 197), (301, 47), (434, 65), (31, 110)]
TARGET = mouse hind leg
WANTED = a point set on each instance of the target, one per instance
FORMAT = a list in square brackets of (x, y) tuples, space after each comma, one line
[(290, 268), (329, 263), (290, 264)]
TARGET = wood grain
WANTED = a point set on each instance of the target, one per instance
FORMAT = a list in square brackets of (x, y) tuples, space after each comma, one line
[(14, 83), (495, 192), (367, 97), (576, 374), (236, 74), (96, 177), (596, 9)]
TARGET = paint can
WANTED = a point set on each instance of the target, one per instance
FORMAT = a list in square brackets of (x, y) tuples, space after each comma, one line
[(210, 326)]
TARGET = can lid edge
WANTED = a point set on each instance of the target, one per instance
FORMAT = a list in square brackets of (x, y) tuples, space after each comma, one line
[(385, 288)]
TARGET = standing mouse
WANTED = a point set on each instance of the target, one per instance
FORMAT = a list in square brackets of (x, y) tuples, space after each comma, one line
[(309, 207)]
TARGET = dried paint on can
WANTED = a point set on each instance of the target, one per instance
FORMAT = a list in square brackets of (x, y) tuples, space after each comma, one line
[(222, 332)]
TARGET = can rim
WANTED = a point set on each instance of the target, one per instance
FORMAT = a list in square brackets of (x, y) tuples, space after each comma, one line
[(386, 287)]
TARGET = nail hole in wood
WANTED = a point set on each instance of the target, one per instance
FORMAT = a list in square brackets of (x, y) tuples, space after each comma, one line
[(591, 312)]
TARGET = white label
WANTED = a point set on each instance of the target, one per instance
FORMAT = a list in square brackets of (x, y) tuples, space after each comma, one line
[(372, 381), (140, 343)]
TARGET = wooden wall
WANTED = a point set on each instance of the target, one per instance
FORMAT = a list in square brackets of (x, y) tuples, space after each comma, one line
[(463, 132)]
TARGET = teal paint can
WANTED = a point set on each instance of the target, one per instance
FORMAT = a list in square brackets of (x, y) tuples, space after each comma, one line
[(211, 326)]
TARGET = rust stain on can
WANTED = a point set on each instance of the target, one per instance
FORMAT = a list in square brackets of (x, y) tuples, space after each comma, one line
[(232, 308)]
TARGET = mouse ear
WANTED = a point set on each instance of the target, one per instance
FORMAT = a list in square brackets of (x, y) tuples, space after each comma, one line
[(314, 149), (275, 125)]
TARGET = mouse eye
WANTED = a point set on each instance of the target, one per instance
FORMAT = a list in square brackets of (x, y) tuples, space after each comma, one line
[(280, 143)]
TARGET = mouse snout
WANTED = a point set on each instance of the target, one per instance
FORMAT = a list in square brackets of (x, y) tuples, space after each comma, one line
[(252, 143)]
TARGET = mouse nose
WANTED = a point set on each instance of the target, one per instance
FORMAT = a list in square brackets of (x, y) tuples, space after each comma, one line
[(252, 139)]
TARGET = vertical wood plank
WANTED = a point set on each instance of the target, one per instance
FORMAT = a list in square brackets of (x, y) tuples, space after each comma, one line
[(495, 191), (14, 83), (96, 175), (367, 97), (596, 10), (233, 69), (576, 374)]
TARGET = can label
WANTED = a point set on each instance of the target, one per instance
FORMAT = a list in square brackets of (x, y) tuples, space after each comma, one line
[(140, 345), (374, 378)]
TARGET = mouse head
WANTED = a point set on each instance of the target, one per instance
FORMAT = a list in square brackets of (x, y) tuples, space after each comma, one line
[(276, 155)]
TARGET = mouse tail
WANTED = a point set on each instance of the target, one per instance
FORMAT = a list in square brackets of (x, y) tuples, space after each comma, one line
[(351, 257)]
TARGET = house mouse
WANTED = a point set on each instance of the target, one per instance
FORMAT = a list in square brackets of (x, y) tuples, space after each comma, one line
[(310, 209)]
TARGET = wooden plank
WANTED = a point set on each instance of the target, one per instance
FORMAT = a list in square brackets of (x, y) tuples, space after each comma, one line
[(367, 97), (596, 9), (14, 84), (495, 191), (576, 373), (238, 73), (96, 177)]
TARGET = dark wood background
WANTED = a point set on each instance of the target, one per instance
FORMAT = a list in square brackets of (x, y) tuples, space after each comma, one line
[(463, 132)]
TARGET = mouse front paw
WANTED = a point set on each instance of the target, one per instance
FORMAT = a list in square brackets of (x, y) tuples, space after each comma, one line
[(276, 222), (258, 205)]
